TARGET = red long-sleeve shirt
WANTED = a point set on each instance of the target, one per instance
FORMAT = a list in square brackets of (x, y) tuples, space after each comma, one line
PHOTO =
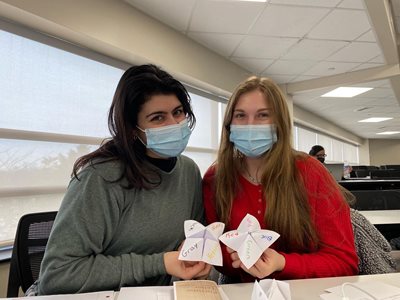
[(336, 255)]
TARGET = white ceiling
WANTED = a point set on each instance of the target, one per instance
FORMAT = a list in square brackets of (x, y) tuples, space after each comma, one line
[(307, 46)]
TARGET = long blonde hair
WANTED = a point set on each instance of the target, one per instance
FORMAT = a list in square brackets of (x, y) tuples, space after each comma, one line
[(288, 211)]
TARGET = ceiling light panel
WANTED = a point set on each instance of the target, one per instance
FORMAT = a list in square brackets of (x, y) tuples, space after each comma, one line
[(346, 92), (374, 120)]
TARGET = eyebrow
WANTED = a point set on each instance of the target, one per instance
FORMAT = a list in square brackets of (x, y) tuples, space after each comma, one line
[(262, 109), (163, 112)]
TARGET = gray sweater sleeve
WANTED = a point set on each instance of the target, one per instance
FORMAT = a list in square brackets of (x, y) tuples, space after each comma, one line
[(84, 227)]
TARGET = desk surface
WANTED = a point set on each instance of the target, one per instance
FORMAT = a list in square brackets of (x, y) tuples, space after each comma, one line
[(304, 289), (380, 217), (310, 289)]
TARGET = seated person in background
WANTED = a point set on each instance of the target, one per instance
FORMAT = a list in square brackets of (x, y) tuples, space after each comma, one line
[(121, 220), (318, 152), (258, 172), (373, 250)]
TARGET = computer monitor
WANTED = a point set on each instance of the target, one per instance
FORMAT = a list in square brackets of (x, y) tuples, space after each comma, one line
[(336, 170)]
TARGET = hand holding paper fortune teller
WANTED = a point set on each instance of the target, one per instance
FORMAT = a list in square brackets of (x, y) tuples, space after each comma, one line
[(269, 262)]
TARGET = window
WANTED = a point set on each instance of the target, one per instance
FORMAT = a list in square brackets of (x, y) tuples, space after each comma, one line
[(54, 105), (203, 143), (336, 150)]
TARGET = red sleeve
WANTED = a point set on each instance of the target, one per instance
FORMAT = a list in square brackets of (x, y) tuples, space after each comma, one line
[(336, 255), (211, 216)]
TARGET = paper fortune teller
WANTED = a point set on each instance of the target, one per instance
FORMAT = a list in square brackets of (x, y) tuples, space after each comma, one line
[(271, 289), (202, 242), (249, 240)]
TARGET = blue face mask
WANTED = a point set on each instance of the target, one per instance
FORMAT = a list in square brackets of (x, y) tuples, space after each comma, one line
[(253, 140), (168, 141)]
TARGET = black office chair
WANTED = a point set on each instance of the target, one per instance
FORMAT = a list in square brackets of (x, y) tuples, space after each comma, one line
[(30, 243), (361, 173), (385, 174)]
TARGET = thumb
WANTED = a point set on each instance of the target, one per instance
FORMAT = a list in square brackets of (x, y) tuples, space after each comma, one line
[(195, 269)]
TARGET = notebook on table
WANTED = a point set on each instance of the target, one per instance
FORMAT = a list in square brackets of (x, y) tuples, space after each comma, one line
[(336, 170)]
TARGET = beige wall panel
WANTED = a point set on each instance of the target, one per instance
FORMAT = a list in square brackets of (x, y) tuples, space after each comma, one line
[(384, 152), (4, 269)]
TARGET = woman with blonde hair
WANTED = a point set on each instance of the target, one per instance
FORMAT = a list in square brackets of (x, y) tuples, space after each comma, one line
[(258, 172)]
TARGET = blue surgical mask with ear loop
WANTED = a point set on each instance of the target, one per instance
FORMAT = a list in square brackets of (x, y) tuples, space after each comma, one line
[(168, 141), (253, 140)]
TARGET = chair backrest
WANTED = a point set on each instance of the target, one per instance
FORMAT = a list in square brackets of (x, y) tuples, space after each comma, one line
[(30, 243), (385, 174), (376, 199), (361, 173)]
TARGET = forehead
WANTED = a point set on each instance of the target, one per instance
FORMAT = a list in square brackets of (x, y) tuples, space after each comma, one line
[(161, 103), (254, 99)]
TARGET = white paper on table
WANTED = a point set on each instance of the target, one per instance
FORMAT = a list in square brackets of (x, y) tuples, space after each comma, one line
[(379, 290), (105, 295), (271, 289), (154, 293), (249, 240), (202, 243), (146, 292)]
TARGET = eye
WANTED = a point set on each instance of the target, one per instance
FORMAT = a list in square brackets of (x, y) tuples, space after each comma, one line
[(178, 112), (238, 115), (157, 118), (263, 115)]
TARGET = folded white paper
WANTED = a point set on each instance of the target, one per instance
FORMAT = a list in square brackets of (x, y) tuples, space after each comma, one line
[(202, 242), (363, 290), (249, 240), (270, 289)]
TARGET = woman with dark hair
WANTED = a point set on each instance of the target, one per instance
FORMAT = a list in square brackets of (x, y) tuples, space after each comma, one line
[(259, 173), (121, 220), (318, 152)]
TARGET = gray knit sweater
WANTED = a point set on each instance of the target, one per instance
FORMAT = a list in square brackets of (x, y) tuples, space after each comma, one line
[(106, 237), (373, 249)]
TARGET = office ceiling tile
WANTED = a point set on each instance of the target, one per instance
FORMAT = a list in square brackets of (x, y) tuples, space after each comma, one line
[(374, 84), (326, 68), (367, 37), (366, 66), (378, 59), (221, 43), (342, 24), (314, 49), (374, 102), (263, 47), (254, 65), (279, 78), (290, 67), (356, 52), (291, 41), (224, 16), (378, 93), (287, 21), (356, 4), (316, 3), (303, 77)]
